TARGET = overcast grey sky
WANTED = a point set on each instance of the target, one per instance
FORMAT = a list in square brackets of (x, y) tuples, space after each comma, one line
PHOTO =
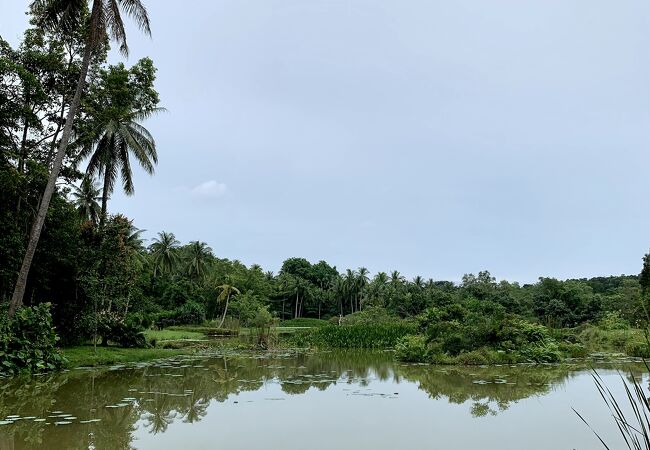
[(433, 137)]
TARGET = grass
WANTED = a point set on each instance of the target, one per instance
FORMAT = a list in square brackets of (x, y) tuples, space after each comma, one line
[(597, 339), (84, 355), (173, 335)]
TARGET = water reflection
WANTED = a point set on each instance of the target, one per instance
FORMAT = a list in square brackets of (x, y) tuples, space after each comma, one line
[(107, 409)]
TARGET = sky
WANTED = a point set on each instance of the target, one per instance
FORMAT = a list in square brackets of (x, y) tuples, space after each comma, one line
[(433, 137)]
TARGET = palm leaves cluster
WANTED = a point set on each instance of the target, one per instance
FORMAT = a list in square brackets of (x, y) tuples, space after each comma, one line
[(114, 140), (167, 257)]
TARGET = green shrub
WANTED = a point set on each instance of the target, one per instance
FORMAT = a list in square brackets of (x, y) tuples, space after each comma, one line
[(638, 349), (573, 350), (245, 309), (613, 321), (412, 348), (28, 341), (545, 352), (474, 358), (484, 355), (127, 334), (335, 320)]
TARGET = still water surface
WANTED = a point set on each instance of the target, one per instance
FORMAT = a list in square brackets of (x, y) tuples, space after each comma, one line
[(283, 401)]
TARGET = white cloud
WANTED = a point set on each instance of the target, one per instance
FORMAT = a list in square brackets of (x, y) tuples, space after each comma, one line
[(209, 189)]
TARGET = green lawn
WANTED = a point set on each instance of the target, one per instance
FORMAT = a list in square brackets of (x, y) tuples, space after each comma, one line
[(173, 335), (84, 355)]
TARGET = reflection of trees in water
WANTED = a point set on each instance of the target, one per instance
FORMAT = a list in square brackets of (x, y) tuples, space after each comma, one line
[(158, 395), (158, 413), (491, 389)]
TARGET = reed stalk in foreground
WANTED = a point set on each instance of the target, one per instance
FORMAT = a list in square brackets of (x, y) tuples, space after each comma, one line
[(635, 428)]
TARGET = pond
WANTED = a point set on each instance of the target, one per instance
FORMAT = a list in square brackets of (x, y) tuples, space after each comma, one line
[(350, 400)]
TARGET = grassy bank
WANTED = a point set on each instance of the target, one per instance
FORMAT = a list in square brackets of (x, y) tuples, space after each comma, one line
[(204, 330), (165, 343), (172, 335), (631, 341)]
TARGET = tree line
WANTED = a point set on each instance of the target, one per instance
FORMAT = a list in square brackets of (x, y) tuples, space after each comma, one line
[(72, 126)]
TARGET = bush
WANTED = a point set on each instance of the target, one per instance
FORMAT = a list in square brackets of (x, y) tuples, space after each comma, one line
[(638, 349), (245, 309), (546, 352), (28, 341), (335, 320), (573, 350), (127, 334), (412, 348), (613, 321)]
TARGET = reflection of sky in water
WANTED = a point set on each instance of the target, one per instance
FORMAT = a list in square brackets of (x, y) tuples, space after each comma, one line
[(323, 401)]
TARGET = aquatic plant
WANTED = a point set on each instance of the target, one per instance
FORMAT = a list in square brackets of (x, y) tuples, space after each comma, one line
[(634, 427), (355, 336)]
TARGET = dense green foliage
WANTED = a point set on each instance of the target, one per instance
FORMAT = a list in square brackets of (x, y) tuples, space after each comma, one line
[(28, 342), (379, 336), (106, 285)]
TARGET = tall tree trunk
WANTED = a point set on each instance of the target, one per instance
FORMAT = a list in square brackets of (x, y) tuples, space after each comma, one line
[(22, 156), (107, 181), (295, 314), (50, 153), (39, 220), (225, 310), (128, 300)]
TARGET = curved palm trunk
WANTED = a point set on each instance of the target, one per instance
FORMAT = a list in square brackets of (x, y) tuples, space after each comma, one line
[(39, 220), (102, 217), (225, 310)]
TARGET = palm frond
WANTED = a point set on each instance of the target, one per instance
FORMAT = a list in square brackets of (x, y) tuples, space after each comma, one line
[(115, 25), (136, 10)]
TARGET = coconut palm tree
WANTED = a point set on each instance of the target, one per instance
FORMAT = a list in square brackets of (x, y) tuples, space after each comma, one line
[(362, 282), (418, 282), (396, 277), (116, 138), (227, 291), (198, 257), (165, 253), (339, 288), (350, 285), (134, 242), (86, 198), (105, 22)]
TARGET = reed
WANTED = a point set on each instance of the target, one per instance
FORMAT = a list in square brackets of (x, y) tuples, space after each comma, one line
[(634, 427)]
